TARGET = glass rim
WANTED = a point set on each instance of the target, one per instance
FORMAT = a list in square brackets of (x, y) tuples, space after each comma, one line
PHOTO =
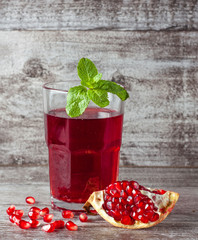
[(48, 87)]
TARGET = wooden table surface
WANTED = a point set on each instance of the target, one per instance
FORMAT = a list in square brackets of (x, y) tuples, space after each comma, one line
[(182, 223)]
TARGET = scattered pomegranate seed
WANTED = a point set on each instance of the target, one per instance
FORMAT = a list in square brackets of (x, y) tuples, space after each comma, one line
[(48, 227), (59, 224), (24, 224), (19, 213), (10, 210), (44, 211), (83, 217), (48, 217), (11, 218), (35, 209), (33, 215), (71, 226), (16, 220), (67, 214), (30, 200), (34, 223)]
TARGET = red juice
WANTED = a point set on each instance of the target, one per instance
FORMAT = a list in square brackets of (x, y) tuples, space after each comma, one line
[(83, 152)]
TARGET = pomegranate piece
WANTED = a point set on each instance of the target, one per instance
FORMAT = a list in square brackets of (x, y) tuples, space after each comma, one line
[(30, 200), (24, 224), (48, 218), (83, 217), (71, 226), (59, 224), (10, 210), (19, 213), (34, 215), (128, 204), (67, 214), (44, 211), (34, 223), (48, 227)]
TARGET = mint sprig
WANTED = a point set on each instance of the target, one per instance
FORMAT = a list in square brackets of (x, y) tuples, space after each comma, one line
[(91, 88)]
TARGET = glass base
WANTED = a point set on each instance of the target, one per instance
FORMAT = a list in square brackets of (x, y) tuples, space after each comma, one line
[(61, 205)]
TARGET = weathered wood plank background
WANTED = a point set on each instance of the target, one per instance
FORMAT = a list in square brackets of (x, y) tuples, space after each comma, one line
[(151, 47)]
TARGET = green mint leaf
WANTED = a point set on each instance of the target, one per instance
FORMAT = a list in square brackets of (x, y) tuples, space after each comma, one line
[(99, 97), (86, 72), (77, 101), (97, 77), (112, 87)]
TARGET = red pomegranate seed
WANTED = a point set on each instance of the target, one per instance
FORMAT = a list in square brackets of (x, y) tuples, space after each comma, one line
[(33, 215), (83, 217), (130, 200), (149, 214), (120, 207), (123, 194), (48, 227), (44, 211), (124, 184), (24, 224), (114, 193), (34, 223), (16, 220), (118, 186), (127, 220), (48, 217), (116, 214), (67, 214), (59, 224), (19, 213), (30, 200), (155, 217), (35, 209), (11, 218), (10, 210), (71, 226), (143, 219), (134, 184)]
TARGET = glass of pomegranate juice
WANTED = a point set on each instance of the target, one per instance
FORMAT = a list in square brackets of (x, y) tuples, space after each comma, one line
[(83, 151)]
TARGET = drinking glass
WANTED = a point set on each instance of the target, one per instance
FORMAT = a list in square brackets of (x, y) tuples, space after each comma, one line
[(83, 151)]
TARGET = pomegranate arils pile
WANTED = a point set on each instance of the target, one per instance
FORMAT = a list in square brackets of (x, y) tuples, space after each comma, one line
[(35, 213), (125, 202)]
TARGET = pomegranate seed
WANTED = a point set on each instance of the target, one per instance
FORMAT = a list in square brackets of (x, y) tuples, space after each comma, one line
[(125, 213), (149, 214), (33, 215), (137, 199), (118, 186), (122, 201), (155, 217), (123, 194), (67, 214), (30, 200), (135, 192), (11, 218), (16, 220), (107, 197), (35, 209), (48, 218), (48, 227), (59, 224), (19, 213), (83, 217), (130, 200), (116, 214), (110, 205), (24, 224), (44, 211), (124, 184), (129, 190), (10, 210), (115, 200), (134, 184), (71, 226), (120, 207), (34, 223), (126, 220), (114, 193), (143, 219)]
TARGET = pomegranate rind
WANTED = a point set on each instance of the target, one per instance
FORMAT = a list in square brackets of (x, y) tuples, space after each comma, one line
[(96, 200)]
